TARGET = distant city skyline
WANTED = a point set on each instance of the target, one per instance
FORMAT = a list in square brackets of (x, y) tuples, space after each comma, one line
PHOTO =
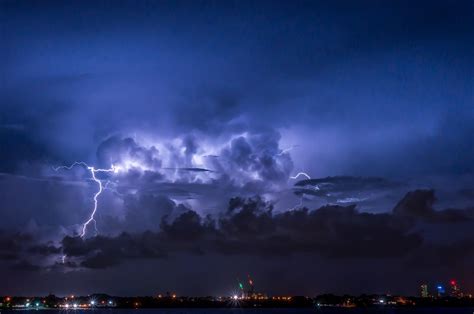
[(252, 300)]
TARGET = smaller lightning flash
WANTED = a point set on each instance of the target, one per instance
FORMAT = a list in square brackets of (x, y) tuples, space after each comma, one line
[(286, 150), (93, 172), (304, 174)]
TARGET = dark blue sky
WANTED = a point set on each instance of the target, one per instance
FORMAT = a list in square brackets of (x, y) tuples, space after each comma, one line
[(209, 108)]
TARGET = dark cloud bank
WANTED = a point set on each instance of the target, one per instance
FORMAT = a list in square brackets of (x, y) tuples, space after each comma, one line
[(250, 228)]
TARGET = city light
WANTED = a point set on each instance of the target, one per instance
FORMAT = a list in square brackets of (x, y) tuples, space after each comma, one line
[(453, 298)]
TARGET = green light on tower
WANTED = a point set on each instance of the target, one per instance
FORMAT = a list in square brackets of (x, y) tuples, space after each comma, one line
[(241, 286)]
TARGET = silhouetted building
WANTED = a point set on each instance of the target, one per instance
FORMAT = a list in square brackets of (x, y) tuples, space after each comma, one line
[(424, 291), (455, 289), (440, 291)]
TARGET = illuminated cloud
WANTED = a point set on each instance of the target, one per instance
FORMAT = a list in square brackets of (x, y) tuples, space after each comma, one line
[(193, 120)]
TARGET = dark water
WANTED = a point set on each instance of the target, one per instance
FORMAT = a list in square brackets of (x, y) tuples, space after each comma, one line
[(257, 311)]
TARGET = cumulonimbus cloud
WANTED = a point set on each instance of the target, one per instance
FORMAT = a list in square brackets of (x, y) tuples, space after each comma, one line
[(250, 227)]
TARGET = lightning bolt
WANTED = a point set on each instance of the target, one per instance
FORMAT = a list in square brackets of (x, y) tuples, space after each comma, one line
[(285, 150), (304, 174), (93, 171), (300, 174)]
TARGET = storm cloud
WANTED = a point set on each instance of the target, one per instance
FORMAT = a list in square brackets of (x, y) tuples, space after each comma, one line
[(207, 110), (250, 227)]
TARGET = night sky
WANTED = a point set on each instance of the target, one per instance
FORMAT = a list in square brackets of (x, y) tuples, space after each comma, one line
[(205, 110)]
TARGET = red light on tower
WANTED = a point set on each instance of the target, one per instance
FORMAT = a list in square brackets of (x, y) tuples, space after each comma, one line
[(453, 282)]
